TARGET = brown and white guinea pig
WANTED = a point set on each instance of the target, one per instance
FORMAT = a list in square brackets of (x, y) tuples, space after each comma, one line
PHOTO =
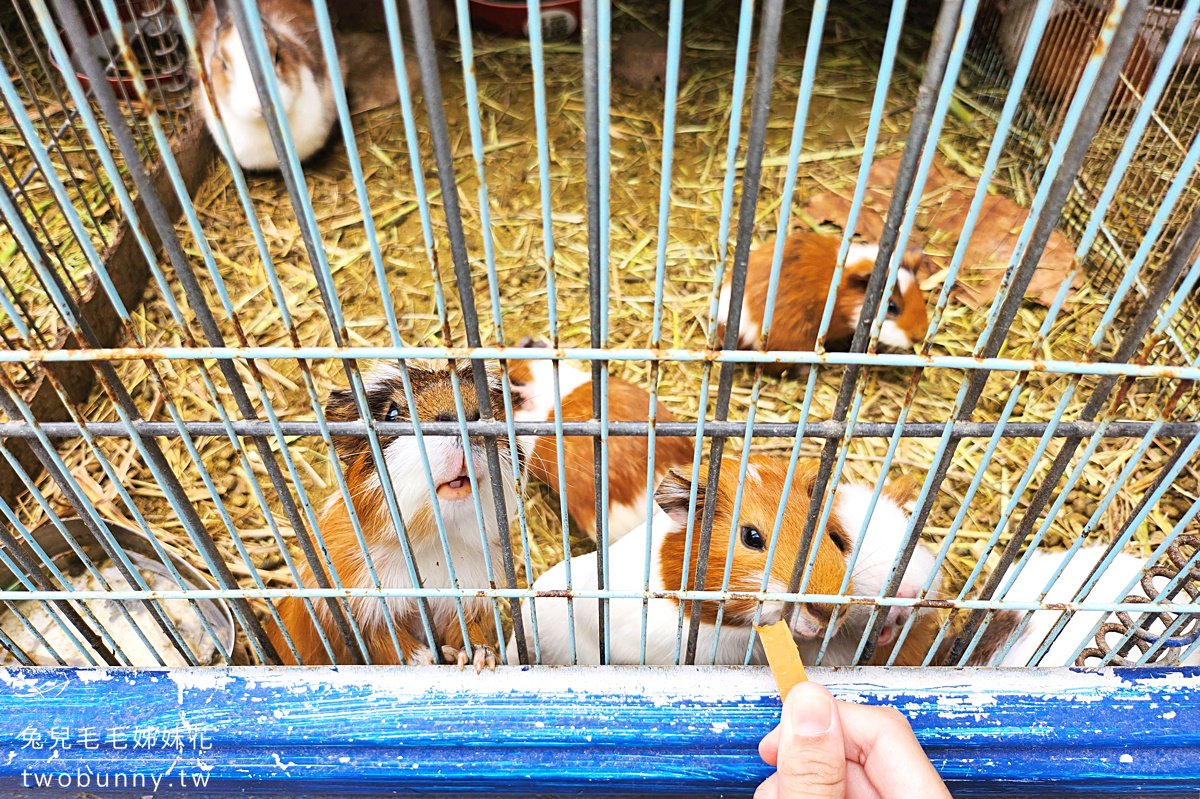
[(882, 541), (750, 545), (434, 396), (805, 275), (1066, 45), (290, 29), (533, 400)]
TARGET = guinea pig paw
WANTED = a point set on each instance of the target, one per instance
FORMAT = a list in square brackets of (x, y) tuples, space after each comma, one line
[(421, 656), (457, 657), (484, 656)]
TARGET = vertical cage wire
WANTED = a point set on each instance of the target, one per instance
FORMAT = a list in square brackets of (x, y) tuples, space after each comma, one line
[(1092, 171), (1139, 151)]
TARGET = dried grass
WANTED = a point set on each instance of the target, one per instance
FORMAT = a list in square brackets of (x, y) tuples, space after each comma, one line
[(48, 105)]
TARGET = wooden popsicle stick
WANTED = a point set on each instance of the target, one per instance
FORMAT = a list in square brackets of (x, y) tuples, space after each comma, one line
[(786, 665)]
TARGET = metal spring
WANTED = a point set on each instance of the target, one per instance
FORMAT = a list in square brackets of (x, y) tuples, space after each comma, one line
[(1136, 630), (162, 34)]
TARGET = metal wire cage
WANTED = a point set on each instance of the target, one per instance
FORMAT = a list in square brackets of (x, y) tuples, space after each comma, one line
[(194, 363)]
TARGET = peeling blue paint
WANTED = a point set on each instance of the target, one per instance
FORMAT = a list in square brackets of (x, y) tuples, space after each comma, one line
[(633, 731)]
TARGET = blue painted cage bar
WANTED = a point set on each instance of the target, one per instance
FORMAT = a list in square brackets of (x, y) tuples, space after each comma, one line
[(102, 213)]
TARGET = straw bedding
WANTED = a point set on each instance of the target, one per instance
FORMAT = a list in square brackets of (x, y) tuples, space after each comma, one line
[(833, 146)]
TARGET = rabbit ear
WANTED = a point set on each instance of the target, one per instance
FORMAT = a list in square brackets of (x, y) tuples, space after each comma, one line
[(674, 495)]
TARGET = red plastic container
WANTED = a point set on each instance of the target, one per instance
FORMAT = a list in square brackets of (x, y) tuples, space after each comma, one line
[(560, 18), (131, 14)]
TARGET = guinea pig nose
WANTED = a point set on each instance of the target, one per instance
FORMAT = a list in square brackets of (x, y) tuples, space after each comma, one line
[(821, 613)]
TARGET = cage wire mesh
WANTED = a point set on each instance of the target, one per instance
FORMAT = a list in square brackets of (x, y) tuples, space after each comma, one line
[(193, 342)]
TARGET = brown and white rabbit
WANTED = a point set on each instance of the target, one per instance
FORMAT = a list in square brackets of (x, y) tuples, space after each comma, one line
[(433, 392), (290, 29), (805, 275), (366, 61), (763, 489), (533, 400), (1066, 45)]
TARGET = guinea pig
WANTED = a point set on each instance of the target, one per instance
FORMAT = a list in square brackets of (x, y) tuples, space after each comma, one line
[(434, 396), (882, 541), (1077, 633), (533, 400), (290, 29), (1066, 45), (805, 276), (763, 490)]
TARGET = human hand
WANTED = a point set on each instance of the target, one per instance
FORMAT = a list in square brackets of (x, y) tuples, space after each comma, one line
[(827, 749)]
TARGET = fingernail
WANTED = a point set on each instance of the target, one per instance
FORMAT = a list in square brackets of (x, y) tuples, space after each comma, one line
[(812, 714)]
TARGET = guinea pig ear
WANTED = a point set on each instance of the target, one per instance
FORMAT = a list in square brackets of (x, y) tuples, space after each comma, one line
[(340, 407), (857, 275), (495, 385), (916, 262), (903, 490), (674, 495), (805, 481)]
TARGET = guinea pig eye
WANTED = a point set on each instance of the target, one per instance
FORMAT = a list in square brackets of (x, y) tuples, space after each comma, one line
[(752, 538), (893, 308), (840, 542), (393, 413)]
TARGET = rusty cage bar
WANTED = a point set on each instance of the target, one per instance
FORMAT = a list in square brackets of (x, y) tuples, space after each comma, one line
[(321, 348)]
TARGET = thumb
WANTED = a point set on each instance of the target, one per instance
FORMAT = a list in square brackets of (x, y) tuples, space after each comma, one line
[(812, 758)]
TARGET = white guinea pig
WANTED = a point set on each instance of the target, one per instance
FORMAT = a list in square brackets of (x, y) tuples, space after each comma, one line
[(1076, 634), (667, 536), (290, 29)]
